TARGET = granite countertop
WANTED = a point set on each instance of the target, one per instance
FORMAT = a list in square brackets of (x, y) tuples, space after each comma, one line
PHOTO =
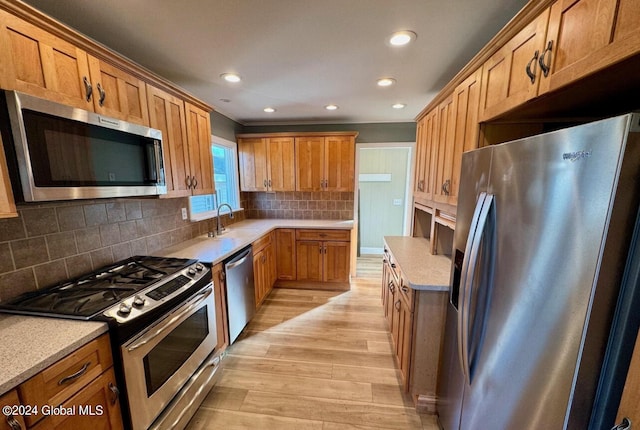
[(421, 269), (31, 344), (239, 235)]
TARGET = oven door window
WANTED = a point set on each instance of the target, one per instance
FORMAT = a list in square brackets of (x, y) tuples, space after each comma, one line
[(174, 350)]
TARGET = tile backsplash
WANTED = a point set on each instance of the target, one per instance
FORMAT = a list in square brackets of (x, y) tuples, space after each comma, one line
[(51, 242), (299, 205)]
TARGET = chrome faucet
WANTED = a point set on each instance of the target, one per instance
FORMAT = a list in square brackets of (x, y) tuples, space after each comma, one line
[(220, 228)]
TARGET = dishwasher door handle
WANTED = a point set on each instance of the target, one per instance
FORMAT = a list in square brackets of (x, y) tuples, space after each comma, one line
[(241, 259)]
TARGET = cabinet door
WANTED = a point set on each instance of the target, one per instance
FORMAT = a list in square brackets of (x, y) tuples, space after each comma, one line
[(336, 261), (444, 151), (166, 113), (38, 63), (281, 176), (511, 76), (200, 157), (339, 163), (309, 260), (426, 175), (466, 99), (309, 163), (7, 203), (286, 254), (252, 156), (588, 35), (421, 148), (270, 254), (10, 421), (630, 402), (258, 276), (99, 403), (222, 320), (117, 93), (403, 346)]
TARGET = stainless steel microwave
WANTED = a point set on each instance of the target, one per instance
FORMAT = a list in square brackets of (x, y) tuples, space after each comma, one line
[(65, 153)]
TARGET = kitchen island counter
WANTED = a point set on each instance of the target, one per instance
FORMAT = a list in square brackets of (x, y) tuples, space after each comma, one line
[(30, 344), (421, 269)]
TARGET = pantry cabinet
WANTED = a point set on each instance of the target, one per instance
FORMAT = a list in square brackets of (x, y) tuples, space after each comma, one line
[(325, 163), (199, 177), (266, 164), (512, 75), (167, 114)]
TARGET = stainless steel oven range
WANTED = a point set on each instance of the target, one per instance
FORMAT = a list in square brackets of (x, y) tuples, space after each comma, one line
[(162, 324)]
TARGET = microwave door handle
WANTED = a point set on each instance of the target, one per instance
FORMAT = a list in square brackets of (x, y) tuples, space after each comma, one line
[(465, 280), (470, 276), (189, 307)]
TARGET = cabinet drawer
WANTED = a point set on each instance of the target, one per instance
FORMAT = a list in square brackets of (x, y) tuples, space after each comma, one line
[(324, 235), (259, 244), (63, 379)]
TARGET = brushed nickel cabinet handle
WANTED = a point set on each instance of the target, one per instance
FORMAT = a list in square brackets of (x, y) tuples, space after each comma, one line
[(76, 375)]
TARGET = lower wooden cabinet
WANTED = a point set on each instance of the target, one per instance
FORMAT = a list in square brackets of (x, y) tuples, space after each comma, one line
[(13, 420), (322, 255), (96, 406), (285, 254), (264, 267)]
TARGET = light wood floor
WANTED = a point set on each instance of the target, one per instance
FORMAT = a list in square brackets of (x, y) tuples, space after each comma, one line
[(313, 360)]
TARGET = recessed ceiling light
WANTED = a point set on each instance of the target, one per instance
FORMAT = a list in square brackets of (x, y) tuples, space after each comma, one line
[(331, 107), (230, 77), (269, 110), (385, 82), (399, 106), (401, 38)]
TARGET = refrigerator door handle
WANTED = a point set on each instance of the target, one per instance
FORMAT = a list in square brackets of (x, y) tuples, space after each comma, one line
[(464, 279), (473, 253)]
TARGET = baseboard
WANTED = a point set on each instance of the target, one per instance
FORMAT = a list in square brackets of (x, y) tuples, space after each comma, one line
[(303, 285), (426, 404)]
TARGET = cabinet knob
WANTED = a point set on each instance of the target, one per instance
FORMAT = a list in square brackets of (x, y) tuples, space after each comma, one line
[(397, 305), (195, 182), (187, 181)]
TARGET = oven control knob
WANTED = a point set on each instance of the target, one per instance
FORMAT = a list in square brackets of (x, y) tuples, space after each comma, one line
[(124, 309), (138, 301), (191, 271), (199, 267)]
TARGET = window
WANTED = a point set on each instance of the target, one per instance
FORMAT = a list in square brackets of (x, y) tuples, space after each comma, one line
[(225, 175), (225, 172)]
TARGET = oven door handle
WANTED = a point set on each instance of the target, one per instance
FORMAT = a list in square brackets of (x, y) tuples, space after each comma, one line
[(188, 308)]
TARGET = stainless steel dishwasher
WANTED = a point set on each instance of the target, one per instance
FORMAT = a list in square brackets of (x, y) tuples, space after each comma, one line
[(241, 303)]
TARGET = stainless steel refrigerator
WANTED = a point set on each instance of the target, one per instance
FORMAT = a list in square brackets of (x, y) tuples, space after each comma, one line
[(543, 232)]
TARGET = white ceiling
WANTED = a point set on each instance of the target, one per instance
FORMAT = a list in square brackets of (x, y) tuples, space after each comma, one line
[(295, 55)]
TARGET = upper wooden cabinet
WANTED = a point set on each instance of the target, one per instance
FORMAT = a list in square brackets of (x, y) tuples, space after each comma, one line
[(585, 36), (426, 140), (167, 114), (7, 203), (325, 163), (117, 93), (38, 63), (443, 151), (512, 75), (267, 164), (200, 177)]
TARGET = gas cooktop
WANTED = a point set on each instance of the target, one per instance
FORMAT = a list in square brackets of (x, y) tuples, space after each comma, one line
[(87, 296)]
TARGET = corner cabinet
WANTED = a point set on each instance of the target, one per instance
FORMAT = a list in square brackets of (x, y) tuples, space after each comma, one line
[(323, 255)]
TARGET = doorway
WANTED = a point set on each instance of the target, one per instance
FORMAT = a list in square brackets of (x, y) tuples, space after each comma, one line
[(383, 193)]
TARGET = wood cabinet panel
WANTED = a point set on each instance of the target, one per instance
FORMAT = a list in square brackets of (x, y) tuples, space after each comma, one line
[(200, 157), (117, 93), (425, 176), (285, 241), (444, 151), (336, 261), (323, 235), (38, 63), (309, 261), (167, 114), (281, 164), (100, 397), (222, 319), (309, 163), (630, 402), (512, 76), (252, 156), (11, 421), (339, 163), (7, 202)]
